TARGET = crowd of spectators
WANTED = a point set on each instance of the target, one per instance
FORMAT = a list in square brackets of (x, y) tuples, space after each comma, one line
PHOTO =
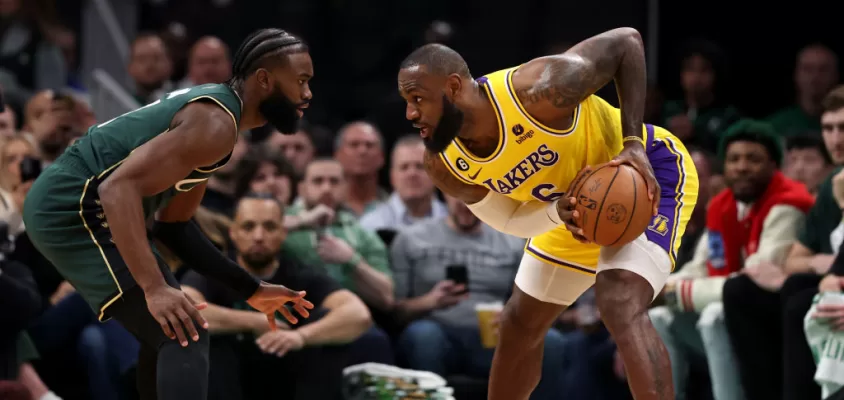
[(351, 216)]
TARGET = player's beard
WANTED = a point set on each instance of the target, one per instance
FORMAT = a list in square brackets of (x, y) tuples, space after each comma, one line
[(447, 129), (258, 262), (280, 112)]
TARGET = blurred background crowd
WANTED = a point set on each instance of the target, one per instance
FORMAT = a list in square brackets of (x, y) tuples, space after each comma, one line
[(344, 209)]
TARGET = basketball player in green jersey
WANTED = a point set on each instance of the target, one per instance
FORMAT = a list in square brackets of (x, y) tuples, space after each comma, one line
[(87, 212)]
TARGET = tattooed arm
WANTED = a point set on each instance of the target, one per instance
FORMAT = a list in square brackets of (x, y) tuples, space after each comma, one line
[(551, 87)]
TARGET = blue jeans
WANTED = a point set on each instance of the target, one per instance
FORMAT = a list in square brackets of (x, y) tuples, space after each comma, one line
[(373, 346), (588, 366), (428, 345), (108, 350), (686, 334)]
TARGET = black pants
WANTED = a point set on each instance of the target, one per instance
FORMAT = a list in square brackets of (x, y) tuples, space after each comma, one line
[(754, 319), (240, 371), (166, 371), (799, 365)]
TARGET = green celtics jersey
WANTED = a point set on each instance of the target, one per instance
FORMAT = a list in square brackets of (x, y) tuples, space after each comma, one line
[(108, 144)]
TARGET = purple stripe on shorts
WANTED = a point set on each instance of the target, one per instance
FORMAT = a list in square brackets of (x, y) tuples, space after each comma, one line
[(667, 162)]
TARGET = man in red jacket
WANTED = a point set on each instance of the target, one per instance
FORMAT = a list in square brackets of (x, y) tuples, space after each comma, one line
[(749, 229)]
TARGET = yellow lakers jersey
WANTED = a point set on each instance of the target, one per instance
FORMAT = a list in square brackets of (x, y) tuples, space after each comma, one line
[(533, 161)]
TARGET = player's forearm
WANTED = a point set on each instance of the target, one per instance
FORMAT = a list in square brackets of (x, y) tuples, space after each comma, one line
[(341, 325), (631, 82), (187, 241), (413, 308), (798, 264), (227, 320), (121, 202), (515, 218), (374, 285)]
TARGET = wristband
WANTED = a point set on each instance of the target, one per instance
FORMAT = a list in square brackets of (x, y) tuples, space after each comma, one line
[(632, 139)]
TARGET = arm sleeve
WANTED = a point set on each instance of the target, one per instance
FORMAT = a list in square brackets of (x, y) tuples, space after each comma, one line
[(525, 220), (187, 242)]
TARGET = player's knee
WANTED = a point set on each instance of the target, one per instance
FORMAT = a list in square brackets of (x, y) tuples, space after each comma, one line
[(622, 296), (522, 318)]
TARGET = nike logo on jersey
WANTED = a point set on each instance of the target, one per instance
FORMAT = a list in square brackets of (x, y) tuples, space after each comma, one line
[(475, 175), (187, 184), (533, 163)]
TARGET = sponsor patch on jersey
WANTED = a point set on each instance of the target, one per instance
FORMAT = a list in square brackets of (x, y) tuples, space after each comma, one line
[(659, 225), (518, 130), (462, 164)]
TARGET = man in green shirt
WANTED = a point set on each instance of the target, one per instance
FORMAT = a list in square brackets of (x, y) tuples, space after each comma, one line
[(815, 74), (350, 254)]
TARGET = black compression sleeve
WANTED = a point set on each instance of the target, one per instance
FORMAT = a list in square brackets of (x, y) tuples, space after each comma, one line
[(187, 241)]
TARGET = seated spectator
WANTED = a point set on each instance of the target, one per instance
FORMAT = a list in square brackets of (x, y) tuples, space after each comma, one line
[(208, 62), (265, 171), (444, 336), (298, 149), (360, 150), (8, 121), (29, 59), (766, 327), (306, 360), (413, 198), (351, 255), (749, 229), (807, 161), (220, 191), (150, 68), (50, 118), (815, 74), (811, 258), (703, 113)]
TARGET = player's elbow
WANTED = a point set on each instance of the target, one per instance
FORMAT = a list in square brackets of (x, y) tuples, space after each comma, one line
[(630, 34), (111, 190)]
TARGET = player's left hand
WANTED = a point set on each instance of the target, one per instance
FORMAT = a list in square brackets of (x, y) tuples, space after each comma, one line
[(271, 298), (280, 342), (634, 155)]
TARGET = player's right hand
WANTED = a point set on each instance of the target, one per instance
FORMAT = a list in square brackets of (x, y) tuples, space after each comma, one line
[(176, 312), (270, 298), (570, 217)]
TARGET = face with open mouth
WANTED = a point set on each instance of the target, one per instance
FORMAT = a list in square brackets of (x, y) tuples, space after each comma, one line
[(431, 111)]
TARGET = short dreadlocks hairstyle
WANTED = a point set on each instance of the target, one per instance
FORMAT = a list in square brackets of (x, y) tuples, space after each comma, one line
[(262, 46)]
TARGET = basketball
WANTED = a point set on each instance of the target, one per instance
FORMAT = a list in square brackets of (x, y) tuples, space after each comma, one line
[(613, 205)]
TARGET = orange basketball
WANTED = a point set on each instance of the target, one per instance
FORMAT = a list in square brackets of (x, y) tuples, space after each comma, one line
[(613, 205)]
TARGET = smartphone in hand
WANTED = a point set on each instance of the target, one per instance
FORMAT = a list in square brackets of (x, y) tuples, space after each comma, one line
[(459, 274)]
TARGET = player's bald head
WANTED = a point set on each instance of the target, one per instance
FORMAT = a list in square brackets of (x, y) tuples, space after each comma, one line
[(437, 59)]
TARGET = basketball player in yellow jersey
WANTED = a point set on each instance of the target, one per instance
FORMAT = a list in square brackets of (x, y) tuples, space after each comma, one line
[(509, 144)]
